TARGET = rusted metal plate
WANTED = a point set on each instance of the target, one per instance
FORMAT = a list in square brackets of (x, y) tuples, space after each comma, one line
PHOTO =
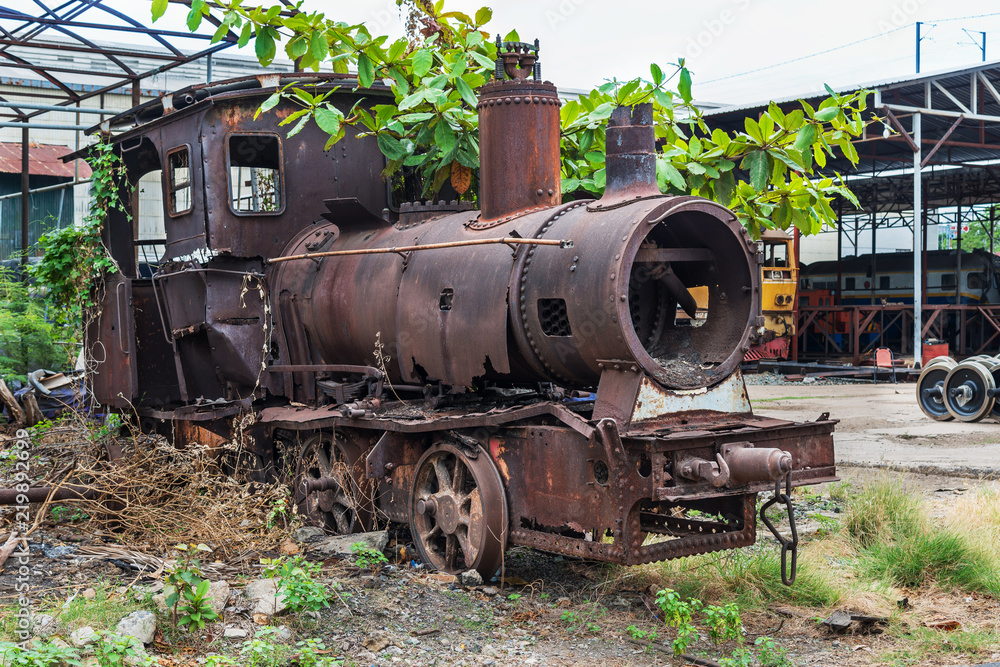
[(43, 160), (111, 339), (671, 406)]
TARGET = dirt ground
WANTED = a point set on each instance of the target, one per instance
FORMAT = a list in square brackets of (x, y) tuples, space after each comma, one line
[(882, 426), (565, 612)]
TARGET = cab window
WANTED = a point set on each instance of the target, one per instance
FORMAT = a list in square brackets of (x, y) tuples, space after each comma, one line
[(179, 180), (256, 186)]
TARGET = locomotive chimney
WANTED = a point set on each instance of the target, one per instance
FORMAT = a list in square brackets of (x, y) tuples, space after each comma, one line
[(630, 166), (519, 166)]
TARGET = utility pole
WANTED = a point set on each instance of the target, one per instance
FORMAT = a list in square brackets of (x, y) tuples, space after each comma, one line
[(918, 46)]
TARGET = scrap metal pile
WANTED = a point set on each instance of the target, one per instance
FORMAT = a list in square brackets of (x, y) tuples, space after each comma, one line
[(964, 391)]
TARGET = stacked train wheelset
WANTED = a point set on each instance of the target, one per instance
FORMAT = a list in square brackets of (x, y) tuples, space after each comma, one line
[(965, 391)]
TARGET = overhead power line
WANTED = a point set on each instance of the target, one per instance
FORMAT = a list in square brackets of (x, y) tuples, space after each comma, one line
[(811, 55), (844, 46)]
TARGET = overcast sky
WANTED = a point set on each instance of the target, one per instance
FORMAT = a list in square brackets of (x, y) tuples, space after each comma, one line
[(738, 50)]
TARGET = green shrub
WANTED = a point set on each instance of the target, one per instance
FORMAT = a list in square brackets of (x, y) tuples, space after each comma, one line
[(27, 341), (296, 581)]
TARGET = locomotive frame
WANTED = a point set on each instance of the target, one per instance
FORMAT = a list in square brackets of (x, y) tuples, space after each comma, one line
[(482, 398)]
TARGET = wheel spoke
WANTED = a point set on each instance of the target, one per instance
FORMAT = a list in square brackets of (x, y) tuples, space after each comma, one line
[(467, 548), (450, 551), (458, 481), (441, 470)]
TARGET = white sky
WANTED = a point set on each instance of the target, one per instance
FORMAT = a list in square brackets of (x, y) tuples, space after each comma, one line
[(585, 42)]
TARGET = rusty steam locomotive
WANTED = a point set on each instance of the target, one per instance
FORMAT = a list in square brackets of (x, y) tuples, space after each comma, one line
[(561, 375)]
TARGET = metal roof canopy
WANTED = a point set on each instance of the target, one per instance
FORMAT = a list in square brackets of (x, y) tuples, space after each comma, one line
[(28, 40), (945, 130)]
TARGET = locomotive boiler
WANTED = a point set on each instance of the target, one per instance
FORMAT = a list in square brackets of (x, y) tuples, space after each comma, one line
[(560, 375)]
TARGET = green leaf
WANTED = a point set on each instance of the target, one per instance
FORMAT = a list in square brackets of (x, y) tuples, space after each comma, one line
[(684, 85), (328, 118), (483, 16), (202, 590), (466, 92), (366, 71), (318, 46), (512, 36), (264, 47), (422, 61), (159, 7), (805, 137), (245, 35), (695, 168), (756, 164), (657, 73), (444, 136), (827, 114), (396, 50), (390, 146), (268, 104), (413, 100), (672, 174)]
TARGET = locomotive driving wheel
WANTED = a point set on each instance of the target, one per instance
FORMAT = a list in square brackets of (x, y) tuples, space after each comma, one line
[(458, 512), (332, 491)]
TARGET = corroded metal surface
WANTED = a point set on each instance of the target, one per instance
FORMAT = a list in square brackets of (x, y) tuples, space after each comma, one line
[(574, 399)]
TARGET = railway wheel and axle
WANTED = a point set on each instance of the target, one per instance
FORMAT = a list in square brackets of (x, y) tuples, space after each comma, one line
[(930, 388), (458, 513), (332, 491), (969, 391)]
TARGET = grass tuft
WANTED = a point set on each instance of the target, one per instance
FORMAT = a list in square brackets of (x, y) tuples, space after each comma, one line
[(896, 541)]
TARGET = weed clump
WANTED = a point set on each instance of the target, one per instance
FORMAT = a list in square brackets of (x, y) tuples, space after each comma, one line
[(896, 541)]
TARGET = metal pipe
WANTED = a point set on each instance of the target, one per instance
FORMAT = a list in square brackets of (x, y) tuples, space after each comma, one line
[(918, 288), (46, 126), (53, 107), (25, 190), (47, 188), (40, 494), (429, 246)]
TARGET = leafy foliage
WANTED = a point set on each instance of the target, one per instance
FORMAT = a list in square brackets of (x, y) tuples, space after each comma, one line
[(27, 340), (74, 257), (367, 558), (297, 582), (44, 654), (113, 650), (766, 174), (187, 590)]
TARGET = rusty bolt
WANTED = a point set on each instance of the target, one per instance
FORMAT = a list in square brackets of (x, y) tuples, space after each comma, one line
[(539, 192)]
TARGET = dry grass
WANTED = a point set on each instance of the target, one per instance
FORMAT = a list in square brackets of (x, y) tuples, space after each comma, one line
[(158, 495)]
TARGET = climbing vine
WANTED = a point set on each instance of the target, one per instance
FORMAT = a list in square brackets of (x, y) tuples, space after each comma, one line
[(74, 258)]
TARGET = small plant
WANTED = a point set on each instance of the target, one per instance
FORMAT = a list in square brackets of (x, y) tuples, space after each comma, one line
[(723, 623), (514, 597), (770, 654), (367, 558), (280, 511), (570, 618), (296, 581), (40, 655), (187, 590), (113, 650), (261, 651), (310, 655), (71, 514), (740, 657), (543, 596), (216, 660), (641, 635), (593, 627)]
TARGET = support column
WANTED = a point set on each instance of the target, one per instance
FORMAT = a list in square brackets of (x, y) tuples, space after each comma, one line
[(25, 200), (918, 288)]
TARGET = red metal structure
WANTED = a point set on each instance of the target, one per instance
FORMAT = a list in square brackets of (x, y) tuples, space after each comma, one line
[(529, 373)]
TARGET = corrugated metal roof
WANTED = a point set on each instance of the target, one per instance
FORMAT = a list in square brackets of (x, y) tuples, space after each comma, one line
[(43, 160)]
